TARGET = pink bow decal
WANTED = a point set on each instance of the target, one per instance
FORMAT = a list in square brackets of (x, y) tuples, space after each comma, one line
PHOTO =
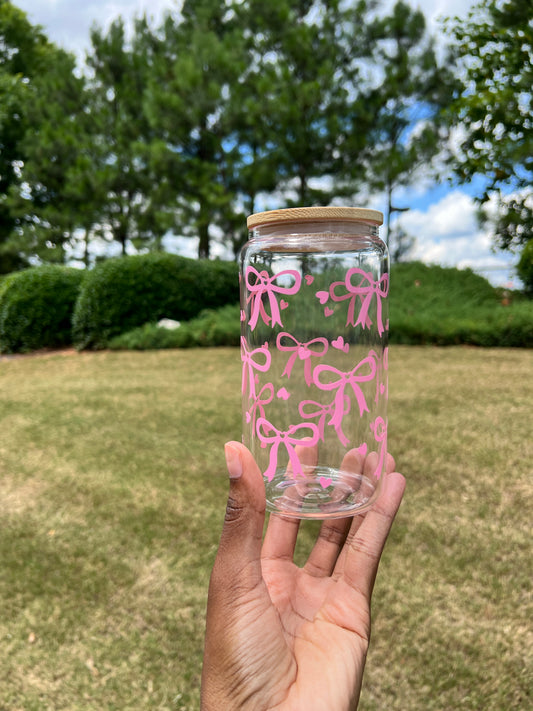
[(382, 365), (322, 412), (268, 434), (351, 306), (265, 397), (264, 284), (345, 380), (249, 365), (379, 428), (380, 288), (303, 351)]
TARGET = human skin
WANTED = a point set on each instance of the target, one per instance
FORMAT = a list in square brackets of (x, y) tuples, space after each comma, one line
[(283, 637)]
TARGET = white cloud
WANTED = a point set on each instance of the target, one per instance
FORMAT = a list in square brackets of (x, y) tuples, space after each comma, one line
[(452, 217), (68, 22), (448, 233)]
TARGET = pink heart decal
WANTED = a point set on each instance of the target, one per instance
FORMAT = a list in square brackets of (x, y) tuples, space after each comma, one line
[(283, 304), (248, 418), (243, 316), (283, 394), (340, 345), (303, 353), (382, 388), (322, 296), (325, 481), (328, 311), (362, 449), (309, 279)]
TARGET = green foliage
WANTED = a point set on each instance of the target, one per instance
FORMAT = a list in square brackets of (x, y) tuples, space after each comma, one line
[(219, 327), (43, 202), (25, 55), (524, 268), (451, 306), (131, 209), (305, 72), (197, 64), (224, 107), (407, 130), (36, 307), (428, 305), (495, 112), (123, 293), (184, 127)]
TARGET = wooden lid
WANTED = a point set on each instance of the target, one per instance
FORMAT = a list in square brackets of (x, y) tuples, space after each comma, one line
[(315, 214)]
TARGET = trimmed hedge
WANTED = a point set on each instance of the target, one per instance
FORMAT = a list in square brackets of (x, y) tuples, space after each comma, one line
[(429, 305), (36, 308), (126, 292)]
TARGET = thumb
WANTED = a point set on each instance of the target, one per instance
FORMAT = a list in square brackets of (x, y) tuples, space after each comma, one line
[(238, 561)]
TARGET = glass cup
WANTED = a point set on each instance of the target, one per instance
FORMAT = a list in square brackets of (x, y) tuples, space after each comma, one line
[(314, 287)]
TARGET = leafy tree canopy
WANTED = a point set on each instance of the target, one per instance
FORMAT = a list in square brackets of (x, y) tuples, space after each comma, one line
[(25, 54), (495, 112)]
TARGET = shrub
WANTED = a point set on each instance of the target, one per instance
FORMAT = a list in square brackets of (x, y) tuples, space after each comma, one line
[(126, 292), (36, 308), (211, 328), (429, 305), (447, 306)]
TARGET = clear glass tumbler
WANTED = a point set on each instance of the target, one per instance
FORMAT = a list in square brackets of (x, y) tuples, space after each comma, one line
[(314, 287)]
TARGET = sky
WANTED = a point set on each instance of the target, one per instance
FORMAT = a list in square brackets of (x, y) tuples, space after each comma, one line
[(441, 217)]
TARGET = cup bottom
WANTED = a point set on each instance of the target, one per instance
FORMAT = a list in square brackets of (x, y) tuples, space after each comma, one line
[(328, 493)]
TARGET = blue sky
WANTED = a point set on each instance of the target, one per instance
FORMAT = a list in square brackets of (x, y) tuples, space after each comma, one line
[(441, 217)]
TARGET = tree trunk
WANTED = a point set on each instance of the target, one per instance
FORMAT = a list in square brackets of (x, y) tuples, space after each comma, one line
[(86, 248), (303, 188), (203, 245)]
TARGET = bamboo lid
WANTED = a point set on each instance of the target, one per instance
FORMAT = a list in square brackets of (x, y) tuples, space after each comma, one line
[(315, 214)]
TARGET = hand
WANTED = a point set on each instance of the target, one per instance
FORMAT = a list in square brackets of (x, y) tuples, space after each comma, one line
[(282, 637)]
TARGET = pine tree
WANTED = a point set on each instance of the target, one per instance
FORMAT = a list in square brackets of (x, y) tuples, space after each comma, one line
[(199, 61), (411, 88)]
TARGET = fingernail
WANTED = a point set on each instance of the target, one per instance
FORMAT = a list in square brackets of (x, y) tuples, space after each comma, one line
[(233, 461)]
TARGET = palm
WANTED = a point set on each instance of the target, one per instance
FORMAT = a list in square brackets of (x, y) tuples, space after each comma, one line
[(314, 625)]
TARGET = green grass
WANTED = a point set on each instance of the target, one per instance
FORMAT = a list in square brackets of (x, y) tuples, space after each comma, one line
[(112, 494)]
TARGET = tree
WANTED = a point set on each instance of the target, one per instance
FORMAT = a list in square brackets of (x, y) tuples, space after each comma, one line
[(130, 211), (47, 200), (305, 67), (198, 62), (25, 54), (405, 104), (494, 46)]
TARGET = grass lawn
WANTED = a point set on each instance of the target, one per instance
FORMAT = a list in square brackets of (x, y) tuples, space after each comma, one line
[(112, 494)]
